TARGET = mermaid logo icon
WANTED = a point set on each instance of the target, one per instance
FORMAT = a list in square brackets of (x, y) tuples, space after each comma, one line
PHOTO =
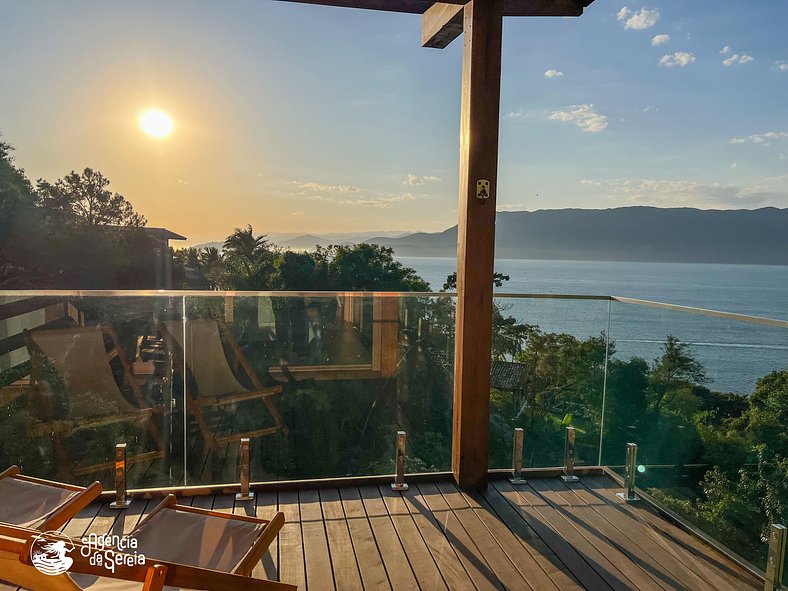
[(48, 553)]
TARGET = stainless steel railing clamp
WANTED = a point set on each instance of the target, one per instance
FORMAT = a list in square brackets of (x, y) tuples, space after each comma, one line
[(630, 471)]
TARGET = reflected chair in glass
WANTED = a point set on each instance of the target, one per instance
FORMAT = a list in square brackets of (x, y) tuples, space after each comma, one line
[(73, 389), (212, 381)]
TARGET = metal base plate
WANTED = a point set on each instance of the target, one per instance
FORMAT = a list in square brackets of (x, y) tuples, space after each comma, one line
[(517, 480), (624, 497), (243, 497), (120, 505), (395, 486), (572, 478)]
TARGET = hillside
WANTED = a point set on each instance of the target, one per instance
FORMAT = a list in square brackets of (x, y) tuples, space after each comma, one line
[(757, 236)]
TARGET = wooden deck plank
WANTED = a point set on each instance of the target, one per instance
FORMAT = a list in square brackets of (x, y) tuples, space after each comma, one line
[(292, 568), (343, 556), (573, 558), (541, 552), (632, 540), (398, 569), (370, 563), (476, 566), (621, 550), (500, 563), (583, 519), (319, 575), (419, 557), (695, 555), (450, 566), (263, 507)]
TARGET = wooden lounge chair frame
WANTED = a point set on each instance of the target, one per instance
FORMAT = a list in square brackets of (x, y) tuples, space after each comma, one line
[(16, 542), (60, 429), (196, 403), (67, 510), (255, 552)]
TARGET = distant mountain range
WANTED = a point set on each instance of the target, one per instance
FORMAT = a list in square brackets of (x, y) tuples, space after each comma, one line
[(653, 234)]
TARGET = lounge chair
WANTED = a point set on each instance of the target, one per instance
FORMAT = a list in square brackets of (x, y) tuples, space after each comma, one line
[(203, 538), (38, 504), (211, 379), (92, 397), (16, 568)]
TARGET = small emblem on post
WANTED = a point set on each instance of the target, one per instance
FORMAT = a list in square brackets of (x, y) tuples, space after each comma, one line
[(483, 189)]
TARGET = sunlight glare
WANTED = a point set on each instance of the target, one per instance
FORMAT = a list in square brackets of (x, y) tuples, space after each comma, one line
[(156, 123)]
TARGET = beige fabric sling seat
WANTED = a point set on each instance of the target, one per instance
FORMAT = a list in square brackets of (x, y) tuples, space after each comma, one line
[(38, 504), (218, 541), (155, 575), (92, 398), (213, 382)]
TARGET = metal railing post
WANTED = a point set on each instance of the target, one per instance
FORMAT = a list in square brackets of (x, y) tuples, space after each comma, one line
[(399, 476), (121, 500), (775, 563), (569, 456), (517, 457), (245, 494), (630, 471)]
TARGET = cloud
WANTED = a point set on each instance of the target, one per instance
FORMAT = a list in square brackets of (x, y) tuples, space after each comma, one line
[(734, 58), (510, 207), (671, 193), (761, 138), (645, 18), (659, 40), (590, 183), (733, 165), (415, 180), (182, 182), (782, 66), (583, 116), (518, 114), (320, 188), (553, 74), (679, 59), (297, 213), (383, 202)]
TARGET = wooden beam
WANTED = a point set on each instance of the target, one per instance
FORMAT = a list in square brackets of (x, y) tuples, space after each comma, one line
[(481, 93), (441, 24)]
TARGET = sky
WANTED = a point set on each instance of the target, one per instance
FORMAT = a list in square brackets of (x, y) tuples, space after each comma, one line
[(309, 119)]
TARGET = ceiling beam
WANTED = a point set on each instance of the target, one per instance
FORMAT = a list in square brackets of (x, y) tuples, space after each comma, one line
[(511, 7), (441, 24)]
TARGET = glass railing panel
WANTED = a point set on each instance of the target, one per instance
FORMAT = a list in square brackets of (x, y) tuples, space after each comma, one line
[(80, 374), (547, 374), (705, 398), (320, 383)]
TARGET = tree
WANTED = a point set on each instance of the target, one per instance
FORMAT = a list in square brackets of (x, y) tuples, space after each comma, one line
[(248, 261), (83, 199), (451, 281)]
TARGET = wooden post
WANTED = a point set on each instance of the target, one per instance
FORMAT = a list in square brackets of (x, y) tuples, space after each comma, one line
[(481, 91)]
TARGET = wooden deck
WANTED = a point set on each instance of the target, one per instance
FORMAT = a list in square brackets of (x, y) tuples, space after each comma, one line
[(542, 536)]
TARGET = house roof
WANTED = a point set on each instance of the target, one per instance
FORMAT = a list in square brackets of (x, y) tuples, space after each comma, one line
[(511, 7)]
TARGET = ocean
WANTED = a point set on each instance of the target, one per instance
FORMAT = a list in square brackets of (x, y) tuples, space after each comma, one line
[(735, 354)]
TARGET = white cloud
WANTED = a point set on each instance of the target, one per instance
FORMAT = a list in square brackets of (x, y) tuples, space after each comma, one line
[(782, 66), (553, 74), (735, 58), (679, 59), (420, 180), (297, 213), (645, 18), (584, 116), (182, 182), (761, 138), (733, 165), (669, 193), (518, 114), (320, 188), (383, 202), (590, 183), (510, 207), (659, 40)]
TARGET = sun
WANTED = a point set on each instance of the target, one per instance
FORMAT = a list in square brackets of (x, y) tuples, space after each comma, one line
[(156, 123)]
